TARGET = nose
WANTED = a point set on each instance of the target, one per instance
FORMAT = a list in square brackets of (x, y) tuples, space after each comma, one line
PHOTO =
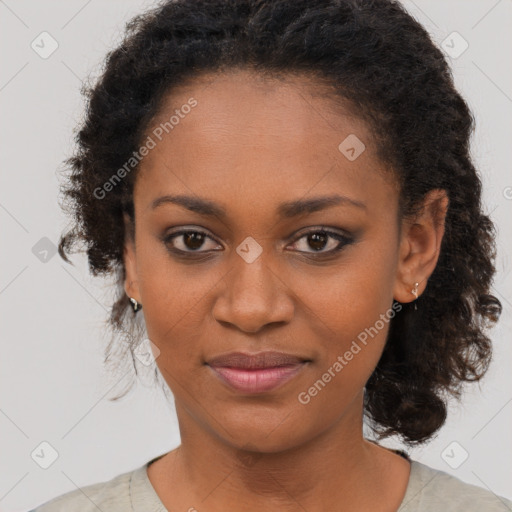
[(254, 296)]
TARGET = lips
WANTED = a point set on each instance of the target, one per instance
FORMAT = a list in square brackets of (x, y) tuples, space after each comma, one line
[(261, 360), (256, 373)]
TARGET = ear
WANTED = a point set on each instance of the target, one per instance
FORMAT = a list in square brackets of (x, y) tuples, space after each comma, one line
[(130, 261), (420, 246)]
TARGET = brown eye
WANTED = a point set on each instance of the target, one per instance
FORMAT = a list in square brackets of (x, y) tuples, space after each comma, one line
[(193, 240), (321, 241), (189, 241), (317, 240)]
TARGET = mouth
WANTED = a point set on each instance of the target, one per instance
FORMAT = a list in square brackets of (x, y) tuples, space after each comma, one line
[(256, 373)]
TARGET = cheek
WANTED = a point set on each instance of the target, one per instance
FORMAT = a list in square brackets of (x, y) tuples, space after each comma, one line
[(351, 296), (174, 298), (352, 310)]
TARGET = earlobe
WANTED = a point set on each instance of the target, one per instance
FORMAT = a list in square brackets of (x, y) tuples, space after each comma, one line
[(407, 291), (129, 266), (129, 257), (420, 246)]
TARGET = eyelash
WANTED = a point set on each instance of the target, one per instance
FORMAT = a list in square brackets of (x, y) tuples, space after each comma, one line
[(343, 241)]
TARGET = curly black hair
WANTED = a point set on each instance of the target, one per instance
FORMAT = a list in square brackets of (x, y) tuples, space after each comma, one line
[(380, 61)]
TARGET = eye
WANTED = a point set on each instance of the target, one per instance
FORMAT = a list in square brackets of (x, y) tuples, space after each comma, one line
[(193, 241), (322, 241), (189, 241)]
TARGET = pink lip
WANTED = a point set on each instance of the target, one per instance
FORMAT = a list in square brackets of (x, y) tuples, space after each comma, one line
[(258, 380)]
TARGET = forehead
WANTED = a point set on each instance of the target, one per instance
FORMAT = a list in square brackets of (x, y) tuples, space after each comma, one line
[(293, 105), (263, 135)]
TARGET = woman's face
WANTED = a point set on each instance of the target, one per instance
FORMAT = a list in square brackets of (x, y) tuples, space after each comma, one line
[(255, 281)]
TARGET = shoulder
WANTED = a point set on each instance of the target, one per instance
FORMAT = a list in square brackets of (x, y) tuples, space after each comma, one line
[(431, 490), (112, 495)]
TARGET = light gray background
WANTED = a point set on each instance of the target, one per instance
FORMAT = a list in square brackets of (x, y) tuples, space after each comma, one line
[(52, 385)]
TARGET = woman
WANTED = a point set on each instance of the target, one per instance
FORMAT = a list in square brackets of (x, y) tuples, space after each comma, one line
[(285, 192)]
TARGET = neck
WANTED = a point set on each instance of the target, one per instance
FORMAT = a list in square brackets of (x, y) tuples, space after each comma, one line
[(337, 470)]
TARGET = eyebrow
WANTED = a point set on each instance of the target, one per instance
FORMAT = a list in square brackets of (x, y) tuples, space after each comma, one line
[(287, 209)]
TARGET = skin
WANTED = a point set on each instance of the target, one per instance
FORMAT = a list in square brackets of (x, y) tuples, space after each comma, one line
[(249, 145)]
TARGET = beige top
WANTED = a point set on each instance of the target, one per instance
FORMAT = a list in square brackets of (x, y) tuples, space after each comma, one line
[(428, 490)]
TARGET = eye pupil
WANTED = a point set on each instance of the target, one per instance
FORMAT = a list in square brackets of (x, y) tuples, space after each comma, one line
[(317, 240), (195, 238)]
